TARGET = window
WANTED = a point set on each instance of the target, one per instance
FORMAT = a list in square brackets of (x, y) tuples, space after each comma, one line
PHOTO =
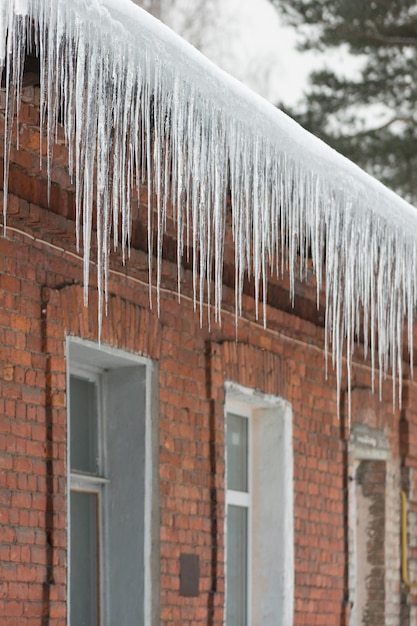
[(111, 572), (259, 509), (87, 484)]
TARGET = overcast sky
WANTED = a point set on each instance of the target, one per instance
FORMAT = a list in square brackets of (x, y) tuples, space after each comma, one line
[(247, 39), (252, 44)]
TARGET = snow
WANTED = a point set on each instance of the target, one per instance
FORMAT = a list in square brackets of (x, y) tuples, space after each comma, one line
[(143, 105)]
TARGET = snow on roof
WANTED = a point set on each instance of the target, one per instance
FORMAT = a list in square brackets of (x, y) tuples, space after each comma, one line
[(143, 105)]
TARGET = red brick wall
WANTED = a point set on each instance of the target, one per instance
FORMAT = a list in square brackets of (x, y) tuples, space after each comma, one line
[(41, 300), (371, 479)]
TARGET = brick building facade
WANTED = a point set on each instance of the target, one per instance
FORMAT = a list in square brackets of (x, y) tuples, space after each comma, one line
[(324, 502)]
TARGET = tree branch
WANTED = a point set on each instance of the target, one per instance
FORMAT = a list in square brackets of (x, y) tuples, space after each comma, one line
[(387, 40), (387, 124)]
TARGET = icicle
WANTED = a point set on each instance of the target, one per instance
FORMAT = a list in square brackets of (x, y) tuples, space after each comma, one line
[(139, 106)]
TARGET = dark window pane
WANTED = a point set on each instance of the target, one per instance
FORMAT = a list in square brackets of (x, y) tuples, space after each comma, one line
[(83, 425), (236, 566), (237, 452), (84, 559)]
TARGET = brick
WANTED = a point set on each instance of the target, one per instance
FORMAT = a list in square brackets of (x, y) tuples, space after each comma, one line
[(286, 360)]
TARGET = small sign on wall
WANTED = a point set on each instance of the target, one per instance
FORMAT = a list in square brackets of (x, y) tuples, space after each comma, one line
[(189, 575)]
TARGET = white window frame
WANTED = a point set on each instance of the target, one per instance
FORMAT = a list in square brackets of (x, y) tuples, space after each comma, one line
[(242, 499), (106, 358), (270, 600), (85, 482)]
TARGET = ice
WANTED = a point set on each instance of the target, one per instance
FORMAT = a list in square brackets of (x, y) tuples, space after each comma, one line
[(140, 106)]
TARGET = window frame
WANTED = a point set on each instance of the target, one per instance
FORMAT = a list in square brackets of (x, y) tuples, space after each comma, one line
[(86, 482), (270, 602), (88, 359)]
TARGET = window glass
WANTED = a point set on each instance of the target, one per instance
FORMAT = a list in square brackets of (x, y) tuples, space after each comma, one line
[(259, 553), (84, 559), (236, 572), (237, 452), (84, 424)]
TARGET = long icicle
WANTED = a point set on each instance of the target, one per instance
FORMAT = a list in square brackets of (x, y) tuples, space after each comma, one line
[(136, 102)]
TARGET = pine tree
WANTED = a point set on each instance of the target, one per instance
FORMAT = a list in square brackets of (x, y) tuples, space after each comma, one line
[(372, 117)]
